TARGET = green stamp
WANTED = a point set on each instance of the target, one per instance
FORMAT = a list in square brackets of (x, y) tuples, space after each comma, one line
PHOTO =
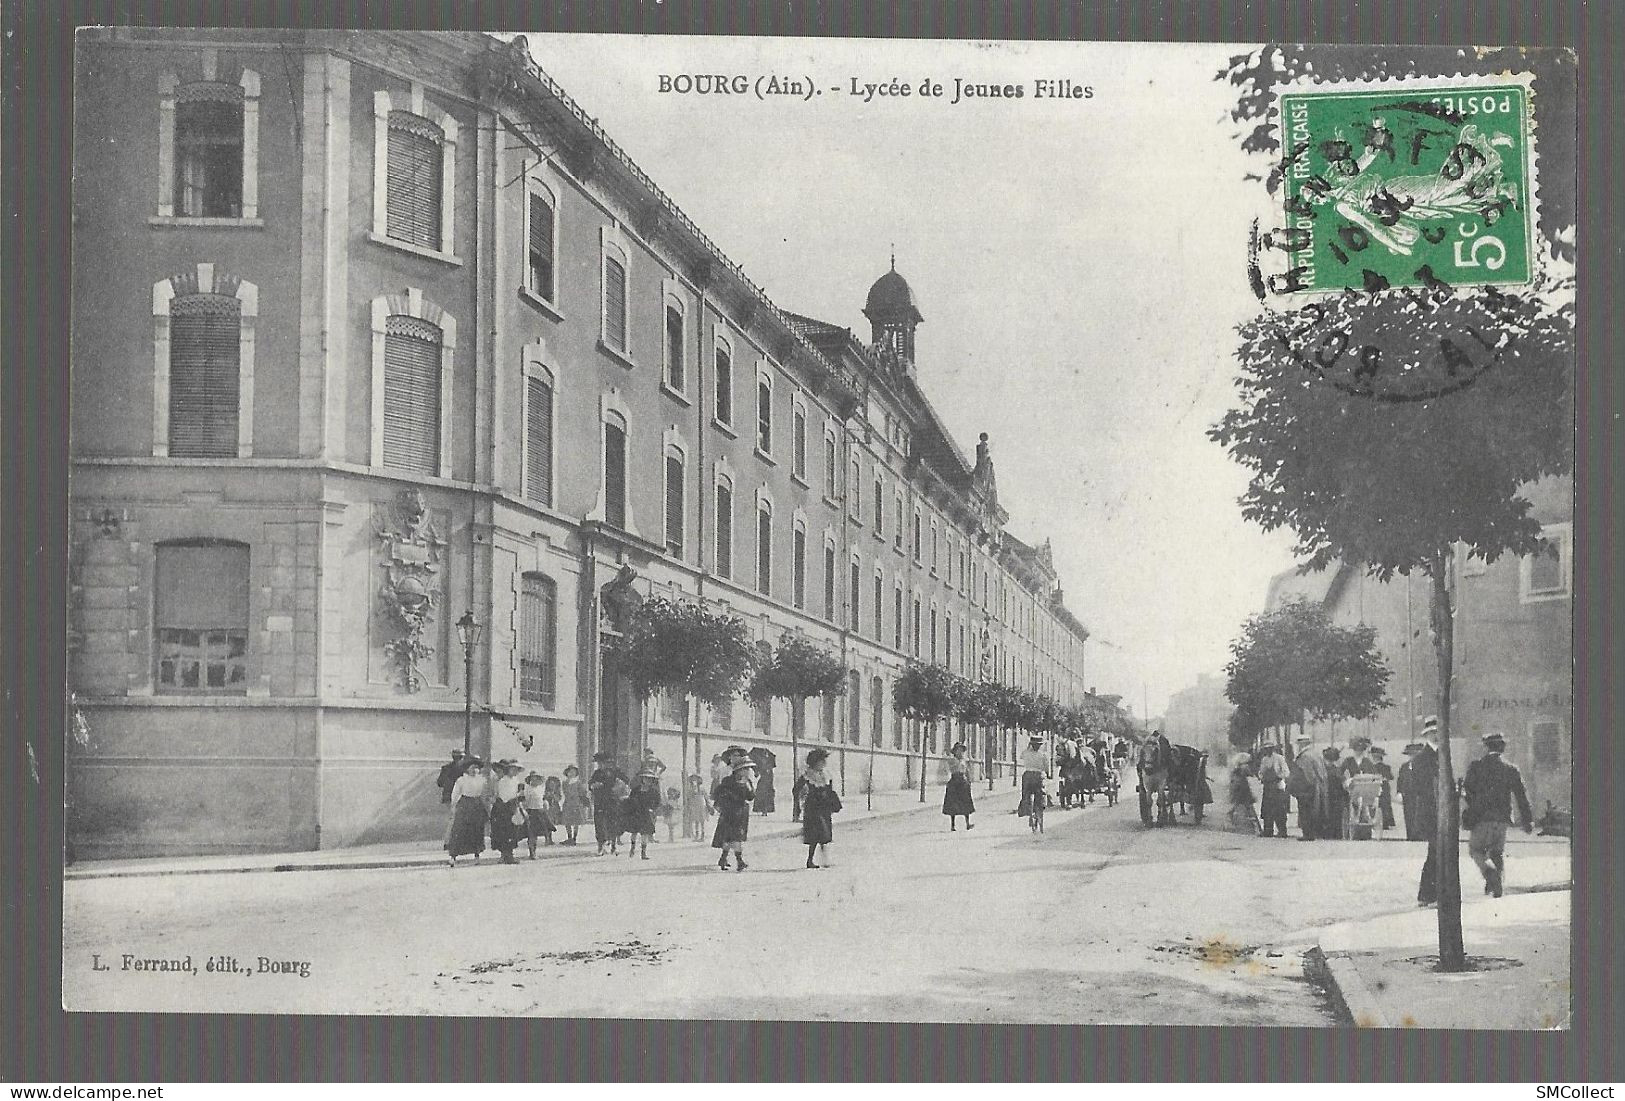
[(1405, 186)]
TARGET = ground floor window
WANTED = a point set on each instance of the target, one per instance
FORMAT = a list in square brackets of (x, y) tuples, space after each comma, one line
[(201, 616)]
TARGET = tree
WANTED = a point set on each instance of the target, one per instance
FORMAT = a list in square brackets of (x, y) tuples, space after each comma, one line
[(684, 648), (1293, 663), (977, 702), (925, 693), (797, 671)]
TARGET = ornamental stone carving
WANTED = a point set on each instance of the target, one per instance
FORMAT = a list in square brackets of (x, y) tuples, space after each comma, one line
[(412, 551)]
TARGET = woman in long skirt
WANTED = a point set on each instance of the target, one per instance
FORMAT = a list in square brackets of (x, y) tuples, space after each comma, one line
[(606, 803), (956, 800), (818, 804), (538, 823), (733, 802), (468, 813), (507, 816), (575, 804), (638, 812)]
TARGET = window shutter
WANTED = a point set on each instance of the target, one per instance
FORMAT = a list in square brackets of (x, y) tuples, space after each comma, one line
[(725, 387), (675, 376), (674, 506), (764, 550), (205, 331), (725, 530), (539, 440), (541, 246), (412, 395), (538, 616), (798, 554), (764, 417), (615, 475), (412, 205), (615, 303)]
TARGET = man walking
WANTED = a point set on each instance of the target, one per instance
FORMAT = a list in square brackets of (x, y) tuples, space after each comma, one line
[(448, 775), (1423, 815), (1490, 787)]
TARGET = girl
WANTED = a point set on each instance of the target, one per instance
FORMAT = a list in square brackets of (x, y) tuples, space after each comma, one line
[(505, 808), (817, 805), (695, 809), (638, 812), (553, 803), (468, 813), (733, 802), (575, 804), (668, 812), (956, 800), (537, 821)]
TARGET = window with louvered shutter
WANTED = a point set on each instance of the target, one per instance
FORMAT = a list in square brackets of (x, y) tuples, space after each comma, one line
[(615, 474), (412, 395), (764, 417), (764, 549), (209, 151), (798, 566), (412, 199), (538, 630), (799, 444), (540, 269), (201, 617), (897, 619), (854, 590), (725, 386), (676, 376), (674, 506), (725, 529), (539, 440), (615, 303), (880, 609), (854, 713), (205, 334), (829, 583), (877, 709)]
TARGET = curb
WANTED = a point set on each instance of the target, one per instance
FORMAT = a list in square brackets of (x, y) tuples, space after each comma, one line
[(315, 863), (1347, 989)]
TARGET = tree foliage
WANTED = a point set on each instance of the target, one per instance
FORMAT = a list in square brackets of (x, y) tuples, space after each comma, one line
[(799, 669), (925, 692), (1294, 661), (686, 648)]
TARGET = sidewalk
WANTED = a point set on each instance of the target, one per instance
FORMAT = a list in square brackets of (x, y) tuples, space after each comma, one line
[(415, 854), (1376, 968)]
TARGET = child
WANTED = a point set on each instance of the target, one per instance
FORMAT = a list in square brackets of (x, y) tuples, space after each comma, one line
[(696, 809), (537, 821), (638, 812), (668, 812), (553, 803), (733, 801)]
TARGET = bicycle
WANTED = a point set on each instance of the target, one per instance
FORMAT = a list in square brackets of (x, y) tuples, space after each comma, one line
[(1035, 814)]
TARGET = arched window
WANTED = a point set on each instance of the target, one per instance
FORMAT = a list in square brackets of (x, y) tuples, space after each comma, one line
[(412, 207), (897, 617), (948, 639), (412, 395), (200, 615), (877, 710), (798, 443), (723, 364), (916, 624), (764, 414), (676, 494), (614, 473), (208, 148), (854, 713), (203, 365), (854, 489), (855, 595), (879, 504), (725, 526), (541, 242), (898, 527), (829, 580), (538, 439), (764, 546), (919, 539), (616, 269), (831, 470), (538, 639), (676, 343), (880, 607), (798, 567)]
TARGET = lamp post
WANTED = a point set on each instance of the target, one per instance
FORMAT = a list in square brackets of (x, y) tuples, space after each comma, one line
[(468, 633)]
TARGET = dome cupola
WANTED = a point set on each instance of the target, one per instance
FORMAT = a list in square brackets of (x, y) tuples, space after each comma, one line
[(892, 316)]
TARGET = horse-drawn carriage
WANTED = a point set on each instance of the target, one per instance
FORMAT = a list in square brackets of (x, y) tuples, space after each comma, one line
[(1171, 776), (1086, 772)]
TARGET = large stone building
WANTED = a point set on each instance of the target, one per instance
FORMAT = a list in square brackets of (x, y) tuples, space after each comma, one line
[(375, 330), (1513, 669), (1199, 715)]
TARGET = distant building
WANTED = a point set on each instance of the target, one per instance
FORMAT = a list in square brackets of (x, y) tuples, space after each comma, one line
[(1200, 716), (1513, 662), (372, 330)]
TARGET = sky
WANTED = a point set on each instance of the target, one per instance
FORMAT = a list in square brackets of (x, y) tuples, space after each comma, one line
[(1080, 264)]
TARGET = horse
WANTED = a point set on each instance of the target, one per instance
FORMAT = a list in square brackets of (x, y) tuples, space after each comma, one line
[(1155, 767)]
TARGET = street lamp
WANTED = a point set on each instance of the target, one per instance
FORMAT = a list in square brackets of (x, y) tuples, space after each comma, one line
[(468, 633)]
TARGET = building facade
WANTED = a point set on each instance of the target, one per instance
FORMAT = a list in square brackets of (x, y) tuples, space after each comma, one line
[(1513, 660), (1199, 716), (374, 331)]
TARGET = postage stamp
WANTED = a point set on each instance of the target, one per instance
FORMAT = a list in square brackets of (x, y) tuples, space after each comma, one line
[(1406, 184)]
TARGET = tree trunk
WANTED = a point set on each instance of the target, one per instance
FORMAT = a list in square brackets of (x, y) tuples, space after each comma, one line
[(683, 780), (923, 744), (1452, 950), (798, 715)]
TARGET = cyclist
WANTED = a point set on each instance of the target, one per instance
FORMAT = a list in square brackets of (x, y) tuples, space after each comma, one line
[(1034, 769)]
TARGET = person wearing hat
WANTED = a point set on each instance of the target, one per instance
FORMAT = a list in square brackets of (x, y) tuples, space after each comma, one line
[(818, 806), (1034, 770), (468, 813), (1331, 826), (1310, 785), (733, 802), (448, 775), (507, 816), (608, 787), (1420, 799), (956, 797), (538, 822), (1360, 763), (638, 811), (575, 804), (1386, 802), (1272, 774), (1490, 787)]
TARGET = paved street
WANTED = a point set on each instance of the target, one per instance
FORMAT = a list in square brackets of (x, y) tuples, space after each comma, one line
[(1099, 920)]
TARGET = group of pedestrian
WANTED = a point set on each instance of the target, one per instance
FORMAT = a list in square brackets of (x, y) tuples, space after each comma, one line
[(736, 790), (1493, 798)]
